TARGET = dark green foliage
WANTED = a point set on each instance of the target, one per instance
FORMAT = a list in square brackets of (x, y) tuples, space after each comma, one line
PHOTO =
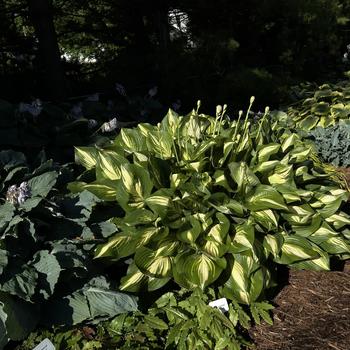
[(46, 271), (333, 143), (177, 320)]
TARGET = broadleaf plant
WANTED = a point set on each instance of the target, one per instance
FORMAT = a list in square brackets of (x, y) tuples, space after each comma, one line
[(46, 240), (332, 143), (211, 201), (320, 106)]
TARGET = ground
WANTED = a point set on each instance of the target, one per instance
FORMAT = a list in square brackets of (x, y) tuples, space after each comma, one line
[(312, 313)]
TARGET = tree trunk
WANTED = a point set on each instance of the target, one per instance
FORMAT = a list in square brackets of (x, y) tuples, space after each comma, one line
[(42, 19)]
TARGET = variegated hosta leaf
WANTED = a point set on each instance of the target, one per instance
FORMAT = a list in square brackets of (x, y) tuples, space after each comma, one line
[(160, 143), (266, 218), (282, 174), (135, 281), (160, 202), (296, 248), (105, 190), (273, 244), (243, 238), (193, 269), (265, 197), (318, 264), (266, 151), (247, 279), (190, 231), (336, 245), (109, 165), (171, 122), (153, 263), (86, 156), (243, 176), (120, 246), (131, 140)]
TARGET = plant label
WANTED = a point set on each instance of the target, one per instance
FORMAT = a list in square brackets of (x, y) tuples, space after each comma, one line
[(220, 304), (45, 345)]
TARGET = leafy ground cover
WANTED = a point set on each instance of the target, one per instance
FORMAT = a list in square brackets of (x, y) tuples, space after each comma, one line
[(163, 220)]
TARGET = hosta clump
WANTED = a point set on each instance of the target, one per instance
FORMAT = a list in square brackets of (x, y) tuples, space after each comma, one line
[(213, 201), (46, 271), (333, 143), (321, 106)]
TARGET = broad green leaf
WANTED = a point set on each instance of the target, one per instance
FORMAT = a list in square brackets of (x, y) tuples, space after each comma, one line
[(273, 243), (289, 142), (7, 211), (119, 246), (109, 164), (266, 218), (153, 263), (282, 174), (190, 231), (88, 303), (159, 202), (21, 317), (244, 238), (265, 197), (243, 176), (105, 190), (86, 156), (47, 264), (131, 140), (336, 245), (41, 185), (196, 270), (296, 248), (265, 151), (136, 281)]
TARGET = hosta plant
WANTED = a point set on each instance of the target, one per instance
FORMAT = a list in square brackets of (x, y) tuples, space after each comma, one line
[(213, 201), (333, 143), (321, 106), (46, 270)]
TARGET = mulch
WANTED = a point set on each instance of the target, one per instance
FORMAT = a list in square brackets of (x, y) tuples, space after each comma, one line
[(312, 313)]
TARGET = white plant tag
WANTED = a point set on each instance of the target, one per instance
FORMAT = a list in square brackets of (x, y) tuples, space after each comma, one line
[(221, 304), (45, 345)]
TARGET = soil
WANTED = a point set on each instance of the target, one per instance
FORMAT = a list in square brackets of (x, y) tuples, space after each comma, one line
[(312, 313)]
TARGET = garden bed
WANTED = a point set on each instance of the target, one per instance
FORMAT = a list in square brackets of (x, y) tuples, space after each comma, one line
[(312, 312)]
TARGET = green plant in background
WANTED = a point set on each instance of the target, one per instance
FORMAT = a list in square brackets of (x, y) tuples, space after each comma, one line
[(332, 143), (46, 272), (177, 320), (320, 106), (209, 201)]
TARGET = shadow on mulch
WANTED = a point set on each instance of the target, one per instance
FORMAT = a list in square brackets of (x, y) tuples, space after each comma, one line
[(312, 313)]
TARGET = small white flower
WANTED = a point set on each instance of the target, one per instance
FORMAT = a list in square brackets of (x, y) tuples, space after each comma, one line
[(17, 195), (110, 126)]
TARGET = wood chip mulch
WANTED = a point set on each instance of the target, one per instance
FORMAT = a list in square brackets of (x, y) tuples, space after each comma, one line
[(312, 313)]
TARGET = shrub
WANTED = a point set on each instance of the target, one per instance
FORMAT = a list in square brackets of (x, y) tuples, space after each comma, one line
[(209, 201), (320, 106), (46, 271)]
